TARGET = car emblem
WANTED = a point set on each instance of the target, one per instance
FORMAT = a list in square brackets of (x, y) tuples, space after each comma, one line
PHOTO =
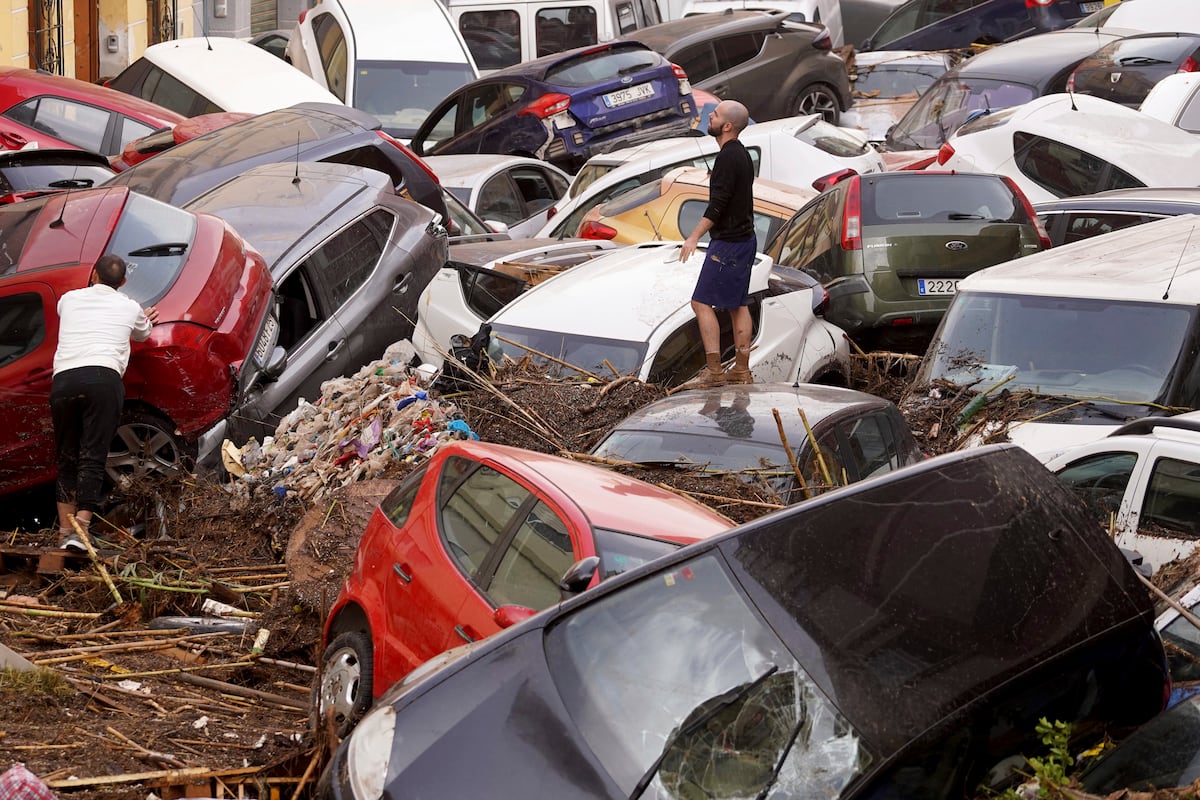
[(626, 79), (1115, 77), (956, 244)]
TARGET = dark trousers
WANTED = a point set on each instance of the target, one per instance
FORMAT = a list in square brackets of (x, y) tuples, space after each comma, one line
[(85, 404)]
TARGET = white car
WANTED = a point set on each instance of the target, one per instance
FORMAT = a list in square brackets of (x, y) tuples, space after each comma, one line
[(514, 190), (794, 150), (628, 312), (1146, 475), (1175, 100), (394, 61), (1063, 145), (1146, 16), (205, 75), (884, 84)]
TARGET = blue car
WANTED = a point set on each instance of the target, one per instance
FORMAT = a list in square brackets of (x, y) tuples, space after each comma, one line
[(564, 108)]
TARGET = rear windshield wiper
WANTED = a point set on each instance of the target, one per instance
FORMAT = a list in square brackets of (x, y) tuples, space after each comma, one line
[(1140, 61), (163, 249), (634, 68), (72, 183)]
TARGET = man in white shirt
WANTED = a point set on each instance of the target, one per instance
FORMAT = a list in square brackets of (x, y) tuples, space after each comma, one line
[(95, 327)]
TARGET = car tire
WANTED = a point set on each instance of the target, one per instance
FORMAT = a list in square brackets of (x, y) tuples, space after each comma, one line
[(818, 98), (346, 684), (147, 445)]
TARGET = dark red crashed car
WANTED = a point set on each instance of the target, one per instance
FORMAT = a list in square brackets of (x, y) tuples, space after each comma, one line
[(216, 323), (147, 146), (63, 112)]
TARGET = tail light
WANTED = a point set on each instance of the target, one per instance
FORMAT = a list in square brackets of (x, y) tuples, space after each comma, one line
[(852, 216), (832, 179), (303, 14), (823, 41), (550, 212), (1189, 66), (1071, 82), (919, 164), (420, 162), (1033, 217), (685, 86), (945, 153), (820, 300), (591, 229), (547, 106), (1038, 3)]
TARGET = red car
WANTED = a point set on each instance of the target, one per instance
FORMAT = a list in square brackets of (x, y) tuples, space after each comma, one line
[(478, 539), (140, 149), (62, 112), (216, 323)]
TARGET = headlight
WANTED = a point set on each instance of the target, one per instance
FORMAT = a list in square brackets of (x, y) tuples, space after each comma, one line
[(369, 751)]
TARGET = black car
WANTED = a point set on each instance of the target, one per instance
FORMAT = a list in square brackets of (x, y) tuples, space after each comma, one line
[(29, 173), (1073, 218), (303, 132), (349, 259), (775, 66), (947, 24), (1126, 70), (1005, 76), (900, 637)]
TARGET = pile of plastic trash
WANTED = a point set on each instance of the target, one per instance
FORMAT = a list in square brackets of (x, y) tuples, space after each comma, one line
[(359, 427)]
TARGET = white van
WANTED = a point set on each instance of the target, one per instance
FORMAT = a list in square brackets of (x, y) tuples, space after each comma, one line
[(396, 63), (205, 75), (501, 33)]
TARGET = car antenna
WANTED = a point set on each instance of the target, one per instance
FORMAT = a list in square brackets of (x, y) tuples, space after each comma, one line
[(650, 219), (58, 223), (1167, 291), (296, 176)]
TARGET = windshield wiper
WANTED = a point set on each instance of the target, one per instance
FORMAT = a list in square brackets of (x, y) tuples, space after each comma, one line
[(72, 183), (963, 215), (724, 701), (634, 68), (163, 249), (774, 776), (1140, 61)]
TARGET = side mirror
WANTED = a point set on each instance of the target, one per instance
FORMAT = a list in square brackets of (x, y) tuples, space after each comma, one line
[(577, 578), (275, 364), (496, 226), (507, 616)]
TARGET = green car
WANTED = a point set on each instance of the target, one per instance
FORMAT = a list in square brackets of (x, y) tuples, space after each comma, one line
[(890, 248)]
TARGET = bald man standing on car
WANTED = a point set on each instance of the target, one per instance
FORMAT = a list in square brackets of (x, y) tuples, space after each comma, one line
[(724, 281)]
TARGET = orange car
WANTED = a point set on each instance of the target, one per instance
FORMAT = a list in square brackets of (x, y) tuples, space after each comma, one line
[(670, 208)]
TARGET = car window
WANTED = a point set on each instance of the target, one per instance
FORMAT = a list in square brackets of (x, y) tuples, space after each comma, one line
[(733, 51), (793, 246), (1063, 170), (132, 129), (621, 552), (826, 466), (939, 198), (77, 123), (476, 509), (1100, 480), (399, 502), (300, 309), (1189, 117), (442, 129), (626, 18), (498, 200), (533, 562), (558, 29), (831, 139), (17, 221), (346, 261), (904, 21), (485, 102), (538, 188), (698, 61), (493, 37), (690, 212), (22, 325), (680, 356), (894, 80), (169, 92), (813, 243), (331, 47), (948, 103), (154, 239), (486, 291), (872, 444), (1086, 224), (590, 68), (26, 177), (1173, 496)]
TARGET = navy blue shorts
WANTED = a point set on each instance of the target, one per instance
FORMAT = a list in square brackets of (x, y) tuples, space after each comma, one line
[(724, 280)]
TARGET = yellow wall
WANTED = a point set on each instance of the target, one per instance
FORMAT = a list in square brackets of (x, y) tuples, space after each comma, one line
[(14, 33)]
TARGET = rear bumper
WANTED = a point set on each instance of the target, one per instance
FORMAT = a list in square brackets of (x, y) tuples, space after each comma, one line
[(579, 144)]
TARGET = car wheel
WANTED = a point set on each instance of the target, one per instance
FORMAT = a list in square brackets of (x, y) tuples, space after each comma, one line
[(345, 688), (146, 445), (817, 98)]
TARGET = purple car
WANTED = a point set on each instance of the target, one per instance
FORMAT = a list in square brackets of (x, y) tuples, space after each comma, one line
[(565, 107)]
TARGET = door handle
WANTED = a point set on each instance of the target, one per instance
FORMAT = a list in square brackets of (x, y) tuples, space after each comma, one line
[(15, 140), (335, 349), (401, 285), (399, 570), (463, 634)]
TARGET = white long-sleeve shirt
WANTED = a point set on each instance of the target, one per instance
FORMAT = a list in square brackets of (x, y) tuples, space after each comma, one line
[(94, 329)]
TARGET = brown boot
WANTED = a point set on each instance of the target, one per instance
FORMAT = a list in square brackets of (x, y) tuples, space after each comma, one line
[(740, 371), (711, 375)]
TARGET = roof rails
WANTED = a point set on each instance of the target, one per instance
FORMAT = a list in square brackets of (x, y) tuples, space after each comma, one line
[(1146, 425)]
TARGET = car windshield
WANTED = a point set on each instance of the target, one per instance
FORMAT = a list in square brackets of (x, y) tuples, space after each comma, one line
[(1062, 346), (570, 352), (17, 221), (893, 80), (916, 198), (154, 239), (402, 93), (832, 139), (52, 176), (677, 681), (947, 105), (620, 552)]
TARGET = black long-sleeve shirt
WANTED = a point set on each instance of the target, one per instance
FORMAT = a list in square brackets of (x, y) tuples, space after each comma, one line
[(731, 194)]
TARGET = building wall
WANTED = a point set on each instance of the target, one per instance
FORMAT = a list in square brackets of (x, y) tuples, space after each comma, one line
[(128, 22), (14, 33)]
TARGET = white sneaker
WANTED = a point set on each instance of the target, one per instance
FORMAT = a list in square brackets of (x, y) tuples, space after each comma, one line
[(72, 542)]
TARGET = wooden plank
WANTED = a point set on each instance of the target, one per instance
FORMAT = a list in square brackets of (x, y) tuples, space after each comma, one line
[(163, 775)]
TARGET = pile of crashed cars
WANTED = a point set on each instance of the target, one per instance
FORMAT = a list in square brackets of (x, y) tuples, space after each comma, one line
[(1020, 224)]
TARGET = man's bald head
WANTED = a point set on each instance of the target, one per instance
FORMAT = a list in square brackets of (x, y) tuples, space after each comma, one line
[(735, 114)]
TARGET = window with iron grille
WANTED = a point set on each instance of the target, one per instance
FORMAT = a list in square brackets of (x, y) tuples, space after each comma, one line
[(46, 35), (161, 15)]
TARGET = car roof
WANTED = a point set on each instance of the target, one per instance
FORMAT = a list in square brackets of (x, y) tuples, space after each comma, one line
[(537, 68), (681, 411), (1035, 59), (29, 83), (1156, 199), (381, 33), (630, 291), (676, 34), (273, 211), (767, 191), (609, 499), (217, 67), (471, 169), (1134, 264)]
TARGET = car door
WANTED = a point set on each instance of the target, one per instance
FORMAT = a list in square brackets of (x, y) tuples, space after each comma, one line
[(1110, 483), (77, 124), (333, 55), (28, 336), (456, 302), (744, 75)]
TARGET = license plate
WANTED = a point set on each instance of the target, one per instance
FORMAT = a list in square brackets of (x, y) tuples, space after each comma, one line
[(937, 285), (1091, 7), (623, 97), (266, 341)]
